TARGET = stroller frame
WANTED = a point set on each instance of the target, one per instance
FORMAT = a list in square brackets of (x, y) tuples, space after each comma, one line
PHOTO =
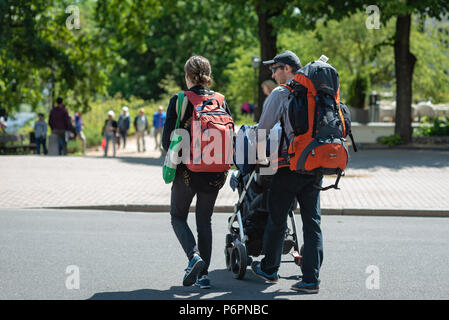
[(237, 258)]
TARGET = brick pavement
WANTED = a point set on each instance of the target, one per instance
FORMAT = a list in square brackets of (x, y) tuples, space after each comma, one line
[(376, 182)]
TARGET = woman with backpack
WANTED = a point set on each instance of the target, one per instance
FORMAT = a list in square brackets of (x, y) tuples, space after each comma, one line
[(190, 181)]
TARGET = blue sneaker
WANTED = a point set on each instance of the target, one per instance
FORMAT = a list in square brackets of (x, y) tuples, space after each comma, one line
[(203, 282), (257, 270), (313, 287), (195, 266)]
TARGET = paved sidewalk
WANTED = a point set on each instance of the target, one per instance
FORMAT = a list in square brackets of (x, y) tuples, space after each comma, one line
[(402, 182)]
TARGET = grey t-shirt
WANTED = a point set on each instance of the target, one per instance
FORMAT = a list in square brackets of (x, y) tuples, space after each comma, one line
[(274, 108)]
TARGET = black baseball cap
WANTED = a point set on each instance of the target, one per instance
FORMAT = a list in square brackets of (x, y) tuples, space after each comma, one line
[(285, 57)]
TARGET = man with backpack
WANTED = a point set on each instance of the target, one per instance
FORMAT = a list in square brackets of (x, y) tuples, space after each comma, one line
[(286, 186)]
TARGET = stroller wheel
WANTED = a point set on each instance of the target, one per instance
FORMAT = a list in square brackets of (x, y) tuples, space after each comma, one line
[(238, 261)]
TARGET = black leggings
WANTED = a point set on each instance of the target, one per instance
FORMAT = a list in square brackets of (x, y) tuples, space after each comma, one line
[(181, 198)]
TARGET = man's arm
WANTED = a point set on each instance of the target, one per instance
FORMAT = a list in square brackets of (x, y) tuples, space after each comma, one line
[(272, 109), (272, 113)]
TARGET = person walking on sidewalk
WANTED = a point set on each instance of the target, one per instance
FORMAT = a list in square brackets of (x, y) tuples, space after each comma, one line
[(158, 125), (141, 126), (79, 126), (123, 126), (187, 184), (285, 186), (59, 122), (109, 132), (40, 133)]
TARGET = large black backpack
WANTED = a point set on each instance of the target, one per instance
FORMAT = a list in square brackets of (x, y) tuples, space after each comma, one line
[(319, 120)]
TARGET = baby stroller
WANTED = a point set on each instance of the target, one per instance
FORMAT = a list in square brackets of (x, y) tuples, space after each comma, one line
[(247, 224)]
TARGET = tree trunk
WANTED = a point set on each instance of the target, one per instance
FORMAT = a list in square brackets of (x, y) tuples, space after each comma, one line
[(404, 64), (267, 38)]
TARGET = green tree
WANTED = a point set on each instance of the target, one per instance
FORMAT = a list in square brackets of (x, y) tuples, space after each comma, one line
[(404, 59), (42, 56), (357, 53), (155, 39)]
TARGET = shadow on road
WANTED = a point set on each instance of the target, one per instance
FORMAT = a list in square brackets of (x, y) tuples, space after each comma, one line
[(398, 159), (224, 287), (143, 160), (150, 161)]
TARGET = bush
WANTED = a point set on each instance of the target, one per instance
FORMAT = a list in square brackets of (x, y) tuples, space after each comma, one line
[(244, 118), (94, 120), (393, 140), (436, 127), (75, 147)]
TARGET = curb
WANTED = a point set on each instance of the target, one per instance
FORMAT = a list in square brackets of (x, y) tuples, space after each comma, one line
[(230, 209), (412, 147)]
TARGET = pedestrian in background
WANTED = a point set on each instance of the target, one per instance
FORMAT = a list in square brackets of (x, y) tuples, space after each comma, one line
[(59, 122), (268, 86), (123, 126), (158, 125), (109, 132), (2, 124), (79, 126), (141, 126), (40, 133)]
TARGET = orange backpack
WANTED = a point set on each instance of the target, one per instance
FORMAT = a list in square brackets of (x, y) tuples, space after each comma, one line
[(210, 121), (320, 122)]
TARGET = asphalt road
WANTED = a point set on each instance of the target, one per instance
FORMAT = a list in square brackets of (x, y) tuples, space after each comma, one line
[(115, 255)]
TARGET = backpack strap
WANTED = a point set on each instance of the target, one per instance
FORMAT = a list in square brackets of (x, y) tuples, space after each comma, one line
[(288, 87), (181, 107), (354, 145), (340, 173), (199, 101), (283, 136)]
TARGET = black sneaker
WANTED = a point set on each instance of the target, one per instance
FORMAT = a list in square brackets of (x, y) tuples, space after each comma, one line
[(203, 282), (305, 287), (257, 270), (195, 266)]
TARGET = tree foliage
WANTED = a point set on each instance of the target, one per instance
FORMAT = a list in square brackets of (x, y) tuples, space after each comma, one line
[(155, 39), (133, 49), (40, 56)]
